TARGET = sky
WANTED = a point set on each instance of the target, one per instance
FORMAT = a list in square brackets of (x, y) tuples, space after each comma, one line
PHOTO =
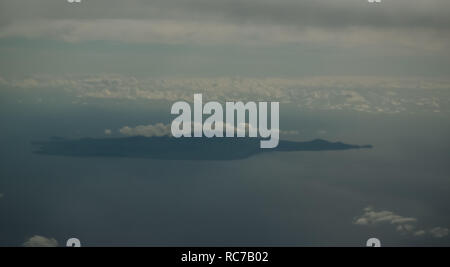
[(342, 70), (225, 38)]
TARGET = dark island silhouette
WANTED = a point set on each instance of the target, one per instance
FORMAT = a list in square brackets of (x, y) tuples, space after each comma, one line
[(169, 148)]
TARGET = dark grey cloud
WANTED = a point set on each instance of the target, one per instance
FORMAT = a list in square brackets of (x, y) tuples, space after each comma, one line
[(354, 29), (322, 13), (347, 23)]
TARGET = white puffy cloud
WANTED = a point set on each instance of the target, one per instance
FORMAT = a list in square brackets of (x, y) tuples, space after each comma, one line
[(289, 132), (354, 93), (420, 233), (40, 241), (371, 216), (158, 129), (403, 225), (439, 232), (406, 228)]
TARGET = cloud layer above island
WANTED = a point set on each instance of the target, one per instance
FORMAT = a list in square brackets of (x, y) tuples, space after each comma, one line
[(353, 93)]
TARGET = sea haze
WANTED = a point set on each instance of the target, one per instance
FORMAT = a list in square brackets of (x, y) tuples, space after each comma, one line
[(279, 198)]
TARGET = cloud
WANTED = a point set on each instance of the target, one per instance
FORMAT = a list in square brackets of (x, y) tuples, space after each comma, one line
[(108, 132), (371, 94), (1, 195), (403, 225), (40, 241), (420, 233), (157, 129), (213, 33), (324, 13), (160, 129), (408, 23), (439, 232), (289, 132), (375, 217)]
